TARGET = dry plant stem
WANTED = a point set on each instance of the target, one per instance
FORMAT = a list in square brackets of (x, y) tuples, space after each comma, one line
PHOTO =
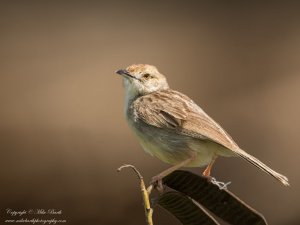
[(145, 194)]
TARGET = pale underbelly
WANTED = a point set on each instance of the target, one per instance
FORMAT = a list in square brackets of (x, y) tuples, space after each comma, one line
[(174, 148), (176, 155)]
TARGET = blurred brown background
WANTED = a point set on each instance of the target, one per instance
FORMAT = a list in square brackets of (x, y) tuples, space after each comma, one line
[(63, 132)]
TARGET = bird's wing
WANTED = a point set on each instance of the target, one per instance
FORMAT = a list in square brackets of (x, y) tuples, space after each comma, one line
[(172, 110)]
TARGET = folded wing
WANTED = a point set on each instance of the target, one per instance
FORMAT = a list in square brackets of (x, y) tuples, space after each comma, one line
[(169, 109)]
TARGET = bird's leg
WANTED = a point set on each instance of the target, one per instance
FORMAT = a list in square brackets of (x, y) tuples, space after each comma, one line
[(157, 180), (213, 180), (206, 172)]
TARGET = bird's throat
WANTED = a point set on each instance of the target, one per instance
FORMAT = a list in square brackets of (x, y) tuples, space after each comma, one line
[(131, 94)]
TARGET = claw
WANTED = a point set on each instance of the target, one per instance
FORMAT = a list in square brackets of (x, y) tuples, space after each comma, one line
[(157, 183)]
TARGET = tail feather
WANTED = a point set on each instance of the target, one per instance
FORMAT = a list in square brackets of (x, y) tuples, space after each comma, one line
[(254, 161)]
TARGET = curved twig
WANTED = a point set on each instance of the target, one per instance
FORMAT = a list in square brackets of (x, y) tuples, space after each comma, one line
[(145, 193)]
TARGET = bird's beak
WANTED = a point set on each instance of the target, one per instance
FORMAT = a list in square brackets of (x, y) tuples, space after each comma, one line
[(122, 72), (125, 73)]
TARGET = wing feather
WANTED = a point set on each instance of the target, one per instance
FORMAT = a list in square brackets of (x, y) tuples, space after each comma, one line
[(169, 109)]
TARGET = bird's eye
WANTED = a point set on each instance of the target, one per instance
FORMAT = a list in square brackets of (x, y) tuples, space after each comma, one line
[(146, 76)]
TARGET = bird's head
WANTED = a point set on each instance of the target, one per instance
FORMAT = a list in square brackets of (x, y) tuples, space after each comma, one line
[(142, 79)]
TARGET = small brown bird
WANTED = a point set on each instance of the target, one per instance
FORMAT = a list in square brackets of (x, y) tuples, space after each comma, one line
[(170, 126)]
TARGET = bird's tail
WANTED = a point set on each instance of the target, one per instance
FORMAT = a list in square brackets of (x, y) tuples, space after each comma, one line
[(254, 161)]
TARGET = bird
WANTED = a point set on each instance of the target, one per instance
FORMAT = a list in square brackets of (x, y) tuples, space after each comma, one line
[(172, 127)]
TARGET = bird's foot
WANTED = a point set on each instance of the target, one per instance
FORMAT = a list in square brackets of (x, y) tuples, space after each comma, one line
[(206, 173), (157, 183)]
